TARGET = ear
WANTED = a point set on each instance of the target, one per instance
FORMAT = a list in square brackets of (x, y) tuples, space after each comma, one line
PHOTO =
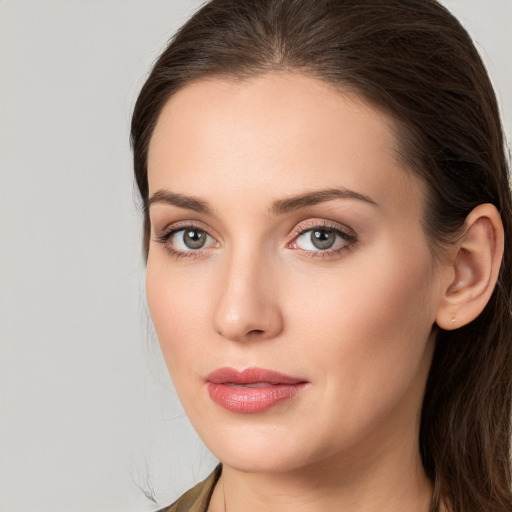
[(473, 268)]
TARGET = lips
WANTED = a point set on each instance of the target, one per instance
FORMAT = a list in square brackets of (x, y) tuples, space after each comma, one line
[(252, 390)]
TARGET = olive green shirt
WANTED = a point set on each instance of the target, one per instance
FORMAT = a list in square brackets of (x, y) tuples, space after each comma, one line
[(198, 498)]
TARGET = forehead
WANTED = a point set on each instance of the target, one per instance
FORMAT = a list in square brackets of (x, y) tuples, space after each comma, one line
[(285, 131)]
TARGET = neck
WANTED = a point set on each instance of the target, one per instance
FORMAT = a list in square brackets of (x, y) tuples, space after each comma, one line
[(375, 483)]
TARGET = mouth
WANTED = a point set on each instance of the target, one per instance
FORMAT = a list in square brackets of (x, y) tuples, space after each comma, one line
[(252, 390)]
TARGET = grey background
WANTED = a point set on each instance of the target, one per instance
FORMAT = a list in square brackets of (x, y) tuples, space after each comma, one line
[(88, 418)]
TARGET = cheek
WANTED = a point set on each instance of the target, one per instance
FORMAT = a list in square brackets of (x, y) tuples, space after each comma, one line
[(366, 329), (381, 290), (175, 305)]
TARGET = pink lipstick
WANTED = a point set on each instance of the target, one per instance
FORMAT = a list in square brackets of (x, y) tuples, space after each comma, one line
[(252, 390)]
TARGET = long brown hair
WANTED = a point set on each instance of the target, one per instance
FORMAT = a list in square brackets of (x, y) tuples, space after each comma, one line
[(412, 59)]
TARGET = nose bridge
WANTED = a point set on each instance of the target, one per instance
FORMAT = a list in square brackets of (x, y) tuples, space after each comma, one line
[(247, 305)]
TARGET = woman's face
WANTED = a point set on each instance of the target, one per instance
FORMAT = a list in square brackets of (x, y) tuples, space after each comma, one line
[(289, 280)]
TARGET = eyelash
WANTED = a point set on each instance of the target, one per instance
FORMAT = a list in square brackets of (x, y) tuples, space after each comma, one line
[(347, 234), (163, 238)]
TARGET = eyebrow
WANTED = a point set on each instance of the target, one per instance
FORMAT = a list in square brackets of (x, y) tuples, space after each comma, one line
[(179, 200), (279, 207), (319, 196)]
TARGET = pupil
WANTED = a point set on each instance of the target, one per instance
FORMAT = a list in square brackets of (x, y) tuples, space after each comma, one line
[(323, 239), (194, 239)]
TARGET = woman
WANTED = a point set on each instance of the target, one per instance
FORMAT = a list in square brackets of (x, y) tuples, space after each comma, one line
[(327, 213)]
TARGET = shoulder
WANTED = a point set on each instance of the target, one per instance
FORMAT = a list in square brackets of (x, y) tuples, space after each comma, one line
[(196, 499)]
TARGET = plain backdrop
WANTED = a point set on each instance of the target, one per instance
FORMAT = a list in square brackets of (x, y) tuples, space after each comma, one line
[(88, 417)]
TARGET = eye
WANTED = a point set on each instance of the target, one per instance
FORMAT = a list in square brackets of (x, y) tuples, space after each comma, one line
[(190, 239), (323, 239), (185, 240)]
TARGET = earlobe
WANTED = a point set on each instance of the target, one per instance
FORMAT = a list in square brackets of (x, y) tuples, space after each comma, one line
[(474, 268)]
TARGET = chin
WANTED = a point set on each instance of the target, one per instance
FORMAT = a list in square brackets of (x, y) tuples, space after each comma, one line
[(261, 461), (258, 450)]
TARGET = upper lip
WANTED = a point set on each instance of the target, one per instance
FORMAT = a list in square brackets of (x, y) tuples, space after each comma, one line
[(250, 375)]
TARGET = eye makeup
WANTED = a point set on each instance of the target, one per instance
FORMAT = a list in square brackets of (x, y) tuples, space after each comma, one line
[(326, 239)]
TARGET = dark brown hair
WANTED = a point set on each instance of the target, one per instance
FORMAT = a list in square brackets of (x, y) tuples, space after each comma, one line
[(413, 60)]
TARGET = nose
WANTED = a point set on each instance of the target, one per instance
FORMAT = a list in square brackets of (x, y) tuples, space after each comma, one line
[(247, 307)]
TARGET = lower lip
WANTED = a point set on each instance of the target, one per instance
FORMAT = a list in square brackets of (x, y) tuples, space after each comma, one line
[(246, 400)]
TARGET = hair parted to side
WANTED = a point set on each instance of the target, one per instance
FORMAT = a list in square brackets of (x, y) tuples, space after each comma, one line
[(413, 60)]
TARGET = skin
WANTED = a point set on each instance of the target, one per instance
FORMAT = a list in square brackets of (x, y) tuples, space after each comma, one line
[(358, 325)]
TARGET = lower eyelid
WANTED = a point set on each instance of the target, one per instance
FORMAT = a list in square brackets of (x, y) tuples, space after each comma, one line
[(314, 255)]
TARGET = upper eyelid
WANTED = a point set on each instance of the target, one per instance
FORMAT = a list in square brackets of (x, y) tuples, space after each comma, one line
[(180, 225), (325, 224)]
